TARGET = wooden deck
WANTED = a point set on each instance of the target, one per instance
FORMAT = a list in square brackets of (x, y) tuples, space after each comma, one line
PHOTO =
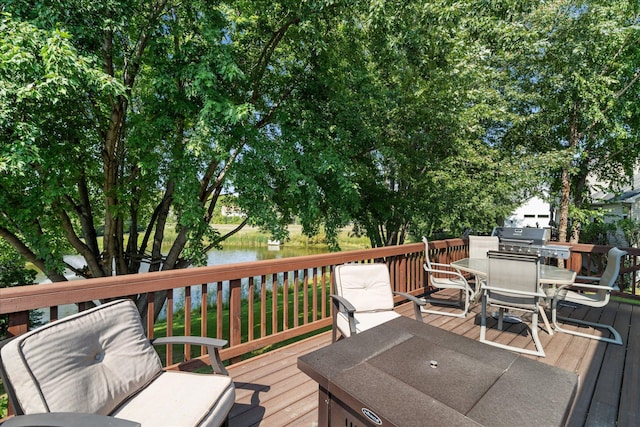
[(271, 391)]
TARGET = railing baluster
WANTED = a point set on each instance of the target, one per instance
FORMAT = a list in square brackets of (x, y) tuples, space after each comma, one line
[(203, 315), (314, 294), (285, 301), (324, 292), (219, 310), (187, 321), (235, 312), (296, 299), (305, 297), (263, 306), (274, 303), (150, 314), (169, 348), (250, 320)]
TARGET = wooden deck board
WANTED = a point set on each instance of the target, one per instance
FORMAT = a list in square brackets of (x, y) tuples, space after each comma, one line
[(605, 402), (271, 391), (630, 393)]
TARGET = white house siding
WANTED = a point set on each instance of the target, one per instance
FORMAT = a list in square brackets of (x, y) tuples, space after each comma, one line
[(614, 213), (535, 212)]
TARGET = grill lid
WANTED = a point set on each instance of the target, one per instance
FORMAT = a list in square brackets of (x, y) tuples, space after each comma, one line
[(523, 235)]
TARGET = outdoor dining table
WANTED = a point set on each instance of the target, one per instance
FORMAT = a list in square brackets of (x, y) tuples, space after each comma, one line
[(550, 277)]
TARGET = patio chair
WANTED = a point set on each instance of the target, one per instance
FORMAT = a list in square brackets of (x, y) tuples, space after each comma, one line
[(513, 284), (442, 276), (478, 248), (595, 293), (99, 362), (480, 245), (363, 298)]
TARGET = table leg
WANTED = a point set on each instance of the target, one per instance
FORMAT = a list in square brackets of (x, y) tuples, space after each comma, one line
[(323, 407)]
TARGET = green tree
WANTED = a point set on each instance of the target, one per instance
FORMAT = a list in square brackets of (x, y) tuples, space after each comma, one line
[(631, 230), (411, 107), (575, 76), (129, 115)]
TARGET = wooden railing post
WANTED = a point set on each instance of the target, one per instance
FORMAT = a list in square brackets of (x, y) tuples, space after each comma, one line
[(18, 323), (575, 262)]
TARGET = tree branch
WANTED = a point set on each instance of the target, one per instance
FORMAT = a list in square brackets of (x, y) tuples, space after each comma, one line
[(265, 56), (28, 255), (79, 245)]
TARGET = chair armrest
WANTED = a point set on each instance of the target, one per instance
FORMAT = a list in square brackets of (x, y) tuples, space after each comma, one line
[(67, 419), (586, 286), (441, 266), (539, 293), (411, 298), (206, 341), (339, 301), (213, 348), (417, 303), (454, 273)]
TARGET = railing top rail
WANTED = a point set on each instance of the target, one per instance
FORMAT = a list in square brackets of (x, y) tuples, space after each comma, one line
[(600, 249)]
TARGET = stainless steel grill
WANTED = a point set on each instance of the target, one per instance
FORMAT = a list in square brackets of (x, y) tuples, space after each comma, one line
[(529, 240)]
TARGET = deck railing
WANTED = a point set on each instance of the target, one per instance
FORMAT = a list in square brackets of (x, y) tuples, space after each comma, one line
[(261, 303)]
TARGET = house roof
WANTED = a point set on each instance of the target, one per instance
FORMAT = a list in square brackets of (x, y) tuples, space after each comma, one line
[(629, 193)]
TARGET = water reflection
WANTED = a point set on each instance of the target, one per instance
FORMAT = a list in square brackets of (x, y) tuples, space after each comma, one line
[(243, 254)]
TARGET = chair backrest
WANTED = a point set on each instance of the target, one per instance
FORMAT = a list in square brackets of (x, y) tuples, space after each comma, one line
[(366, 286), (513, 280), (612, 270), (480, 245), (89, 362), (427, 261)]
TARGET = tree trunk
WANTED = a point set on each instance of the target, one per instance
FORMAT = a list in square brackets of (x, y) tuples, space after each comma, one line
[(565, 183), (565, 193)]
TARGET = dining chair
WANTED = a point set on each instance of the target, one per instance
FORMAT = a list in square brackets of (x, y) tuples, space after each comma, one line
[(444, 276), (363, 298), (480, 245), (478, 248), (591, 291), (512, 284)]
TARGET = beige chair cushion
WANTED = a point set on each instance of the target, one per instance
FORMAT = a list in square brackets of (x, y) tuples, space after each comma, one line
[(365, 286), (89, 362), (181, 399)]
